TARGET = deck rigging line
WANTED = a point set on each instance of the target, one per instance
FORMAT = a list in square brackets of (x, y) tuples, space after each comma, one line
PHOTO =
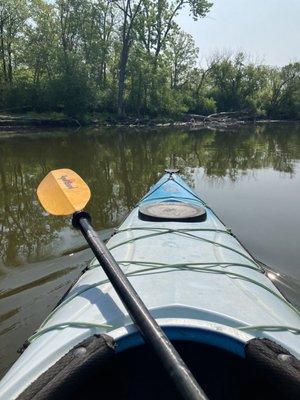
[(151, 267), (185, 232), (67, 324), (82, 325)]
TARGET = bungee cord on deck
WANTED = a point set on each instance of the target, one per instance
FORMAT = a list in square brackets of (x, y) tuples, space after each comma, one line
[(161, 231), (152, 266)]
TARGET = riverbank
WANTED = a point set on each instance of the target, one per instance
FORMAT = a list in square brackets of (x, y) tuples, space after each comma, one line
[(219, 121)]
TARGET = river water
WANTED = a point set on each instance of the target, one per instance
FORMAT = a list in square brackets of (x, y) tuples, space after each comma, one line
[(249, 176)]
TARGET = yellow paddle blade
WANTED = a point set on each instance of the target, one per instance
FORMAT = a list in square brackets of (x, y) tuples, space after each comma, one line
[(62, 192)]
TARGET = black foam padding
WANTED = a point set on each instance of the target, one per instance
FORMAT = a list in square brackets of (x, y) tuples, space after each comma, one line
[(67, 374), (274, 366), (93, 369)]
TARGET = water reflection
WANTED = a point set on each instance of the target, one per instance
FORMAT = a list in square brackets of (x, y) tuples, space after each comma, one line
[(120, 166)]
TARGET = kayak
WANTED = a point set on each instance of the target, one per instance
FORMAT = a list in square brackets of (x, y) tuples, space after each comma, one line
[(216, 303)]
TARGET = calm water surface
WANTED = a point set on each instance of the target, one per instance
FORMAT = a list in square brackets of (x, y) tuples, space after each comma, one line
[(250, 177)]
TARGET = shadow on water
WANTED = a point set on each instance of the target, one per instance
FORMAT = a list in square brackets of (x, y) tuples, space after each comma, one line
[(250, 177)]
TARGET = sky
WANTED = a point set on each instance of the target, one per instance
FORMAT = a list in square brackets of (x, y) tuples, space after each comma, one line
[(267, 30)]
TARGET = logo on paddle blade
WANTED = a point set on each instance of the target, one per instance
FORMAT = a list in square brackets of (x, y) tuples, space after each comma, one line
[(67, 182)]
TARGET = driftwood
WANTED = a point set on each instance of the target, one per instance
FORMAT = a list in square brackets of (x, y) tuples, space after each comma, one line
[(221, 120), (237, 115), (196, 117)]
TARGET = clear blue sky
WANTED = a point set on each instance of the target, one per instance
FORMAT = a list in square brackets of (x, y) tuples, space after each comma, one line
[(268, 30)]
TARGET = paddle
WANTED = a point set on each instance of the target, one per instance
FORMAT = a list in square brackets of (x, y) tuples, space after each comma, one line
[(63, 192)]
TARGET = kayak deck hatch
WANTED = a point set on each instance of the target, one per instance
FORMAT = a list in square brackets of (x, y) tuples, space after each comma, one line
[(172, 211)]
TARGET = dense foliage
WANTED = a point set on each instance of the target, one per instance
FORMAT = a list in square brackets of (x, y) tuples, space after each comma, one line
[(127, 56)]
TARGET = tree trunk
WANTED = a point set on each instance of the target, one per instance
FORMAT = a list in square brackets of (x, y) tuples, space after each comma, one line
[(122, 77), (3, 55), (10, 74)]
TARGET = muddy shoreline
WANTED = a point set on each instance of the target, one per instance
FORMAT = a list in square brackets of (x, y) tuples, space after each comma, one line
[(219, 121)]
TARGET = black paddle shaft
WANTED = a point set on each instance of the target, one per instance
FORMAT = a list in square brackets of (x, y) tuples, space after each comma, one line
[(150, 330)]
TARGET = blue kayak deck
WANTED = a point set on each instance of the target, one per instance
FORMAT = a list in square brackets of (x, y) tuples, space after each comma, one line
[(171, 188)]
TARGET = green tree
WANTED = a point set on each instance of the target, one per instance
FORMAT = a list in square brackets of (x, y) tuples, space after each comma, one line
[(283, 97), (13, 17), (155, 27), (129, 11), (236, 83), (182, 54)]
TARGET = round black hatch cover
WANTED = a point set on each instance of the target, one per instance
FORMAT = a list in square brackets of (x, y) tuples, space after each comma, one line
[(172, 211)]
